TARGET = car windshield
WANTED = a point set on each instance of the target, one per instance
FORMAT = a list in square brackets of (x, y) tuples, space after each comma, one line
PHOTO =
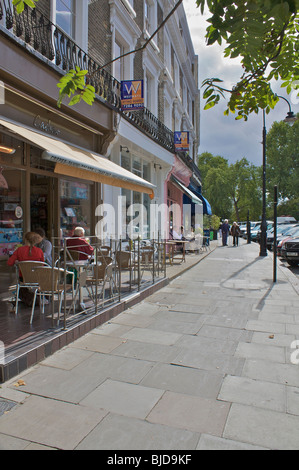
[(290, 231)]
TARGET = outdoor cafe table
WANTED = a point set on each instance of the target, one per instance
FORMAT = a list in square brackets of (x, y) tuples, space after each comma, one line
[(172, 254), (80, 266)]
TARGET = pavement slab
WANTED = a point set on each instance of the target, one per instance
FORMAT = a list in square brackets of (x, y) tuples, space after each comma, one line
[(209, 362)]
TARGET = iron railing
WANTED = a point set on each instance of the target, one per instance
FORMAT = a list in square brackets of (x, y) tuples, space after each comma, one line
[(37, 31)]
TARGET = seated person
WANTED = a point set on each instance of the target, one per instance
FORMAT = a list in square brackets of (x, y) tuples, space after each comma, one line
[(45, 246), (78, 243), (28, 252)]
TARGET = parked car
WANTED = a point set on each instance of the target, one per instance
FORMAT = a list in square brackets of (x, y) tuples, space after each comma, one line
[(254, 231), (254, 227), (290, 251), (243, 228), (268, 231), (291, 233), (286, 220), (281, 230)]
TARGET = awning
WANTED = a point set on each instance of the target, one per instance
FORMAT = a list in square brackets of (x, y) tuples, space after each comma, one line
[(186, 191), (206, 205), (81, 163)]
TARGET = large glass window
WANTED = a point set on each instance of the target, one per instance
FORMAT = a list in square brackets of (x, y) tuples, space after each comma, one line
[(119, 64), (137, 204), (11, 220), (75, 207), (65, 16)]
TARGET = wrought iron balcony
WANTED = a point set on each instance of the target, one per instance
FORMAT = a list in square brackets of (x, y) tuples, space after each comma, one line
[(33, 29)]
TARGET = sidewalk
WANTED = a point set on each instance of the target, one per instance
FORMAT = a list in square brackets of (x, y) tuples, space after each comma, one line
[(207, 362)]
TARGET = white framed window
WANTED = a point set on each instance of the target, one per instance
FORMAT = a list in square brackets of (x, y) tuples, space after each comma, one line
[(72, 17), (150, 16), (119, 64), (137, 205), (150, 93), (66, 16), (176, 76), (167, 52)]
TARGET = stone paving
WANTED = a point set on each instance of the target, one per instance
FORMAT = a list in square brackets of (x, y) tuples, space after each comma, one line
[(208, 362)]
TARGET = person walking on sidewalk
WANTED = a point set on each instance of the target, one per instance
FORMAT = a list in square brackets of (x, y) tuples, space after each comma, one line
[(225, 232), (235, 232)]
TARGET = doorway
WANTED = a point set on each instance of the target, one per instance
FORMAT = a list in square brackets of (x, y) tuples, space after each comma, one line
[(42, 204)]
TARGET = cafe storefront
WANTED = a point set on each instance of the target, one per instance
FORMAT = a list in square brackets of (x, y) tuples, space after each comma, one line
[(48, 181)]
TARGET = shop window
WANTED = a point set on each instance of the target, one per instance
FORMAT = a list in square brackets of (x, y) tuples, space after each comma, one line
[(39, 162), (75, 207), (139, 217), (11, 220), (7, 142)]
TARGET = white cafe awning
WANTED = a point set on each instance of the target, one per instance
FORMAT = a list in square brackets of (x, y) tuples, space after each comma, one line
[(185, 190), (81, 163)]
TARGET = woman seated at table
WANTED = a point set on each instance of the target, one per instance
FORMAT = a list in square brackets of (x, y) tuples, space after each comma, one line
[(78, 243), (29, 251)]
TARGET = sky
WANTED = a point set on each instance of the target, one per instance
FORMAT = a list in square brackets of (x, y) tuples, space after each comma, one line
[(223, 135)]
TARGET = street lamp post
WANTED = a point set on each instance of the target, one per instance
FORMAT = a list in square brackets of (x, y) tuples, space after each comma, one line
[(290, 119), (263, 245)]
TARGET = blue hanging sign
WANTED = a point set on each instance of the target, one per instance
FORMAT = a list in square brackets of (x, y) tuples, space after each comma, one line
[(132, 95), (181, 141)]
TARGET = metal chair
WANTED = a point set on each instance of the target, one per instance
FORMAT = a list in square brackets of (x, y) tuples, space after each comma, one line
[(49, 285), (102, 274), (124, 263)]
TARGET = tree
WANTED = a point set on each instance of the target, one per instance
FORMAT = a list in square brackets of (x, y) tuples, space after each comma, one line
[(232, 189), (283, 165), (264, 35), (245, 189), (214, 171)]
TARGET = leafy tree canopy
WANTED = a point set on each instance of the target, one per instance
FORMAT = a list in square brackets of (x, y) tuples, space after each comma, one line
[(283, 166), (231, 189), (264, 35)]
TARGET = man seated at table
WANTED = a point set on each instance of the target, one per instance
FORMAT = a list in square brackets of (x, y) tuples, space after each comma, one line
[(78, 243), (179, 236)]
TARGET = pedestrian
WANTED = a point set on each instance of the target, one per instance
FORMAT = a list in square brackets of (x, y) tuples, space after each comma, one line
[(225, 232), (235, 232)]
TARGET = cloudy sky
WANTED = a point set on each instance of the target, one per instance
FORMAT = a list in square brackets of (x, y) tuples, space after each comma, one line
[(223, 135)]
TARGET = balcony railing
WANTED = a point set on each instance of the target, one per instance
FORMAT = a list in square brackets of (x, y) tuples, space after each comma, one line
[(37, 31)]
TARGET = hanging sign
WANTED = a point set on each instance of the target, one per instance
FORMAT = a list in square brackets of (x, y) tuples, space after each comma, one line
[(132, 95), (181, 141)]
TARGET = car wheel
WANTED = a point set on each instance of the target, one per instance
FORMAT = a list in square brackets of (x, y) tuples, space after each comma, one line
[(294, 264)]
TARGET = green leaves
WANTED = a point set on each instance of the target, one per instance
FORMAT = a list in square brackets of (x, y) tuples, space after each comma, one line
[(74, 83), (20, 4), (263, 34)]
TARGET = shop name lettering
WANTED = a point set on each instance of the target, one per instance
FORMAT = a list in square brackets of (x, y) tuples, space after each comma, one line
[(158, 460), (45, 126)]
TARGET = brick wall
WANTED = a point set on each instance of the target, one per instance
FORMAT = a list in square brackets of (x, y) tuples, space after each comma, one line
[(99, 33)]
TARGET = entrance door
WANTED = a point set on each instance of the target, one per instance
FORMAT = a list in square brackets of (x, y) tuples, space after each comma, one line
[(42, 207)]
